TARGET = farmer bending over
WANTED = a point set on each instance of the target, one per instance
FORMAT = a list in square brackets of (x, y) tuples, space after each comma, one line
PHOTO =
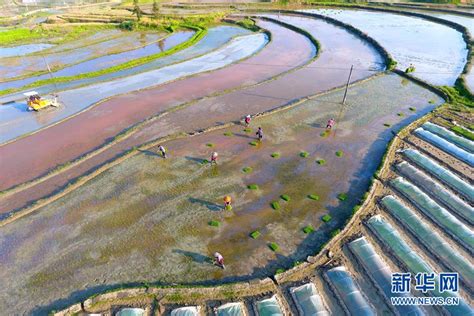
[(162, 150), (259, 133), (219, 260)]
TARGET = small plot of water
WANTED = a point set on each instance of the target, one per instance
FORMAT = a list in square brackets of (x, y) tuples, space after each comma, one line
[(438, 52), (23, 49)]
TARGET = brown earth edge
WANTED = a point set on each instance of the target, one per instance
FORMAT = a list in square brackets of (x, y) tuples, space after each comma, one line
[(257, 288)]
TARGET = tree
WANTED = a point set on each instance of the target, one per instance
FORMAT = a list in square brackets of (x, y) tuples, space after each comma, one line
[(136, 10), (156, 8)]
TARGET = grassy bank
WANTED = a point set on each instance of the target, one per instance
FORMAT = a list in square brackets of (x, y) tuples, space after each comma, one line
[(53, 34)]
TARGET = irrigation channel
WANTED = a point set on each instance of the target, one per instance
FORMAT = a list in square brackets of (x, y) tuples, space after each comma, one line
[(140, 218)]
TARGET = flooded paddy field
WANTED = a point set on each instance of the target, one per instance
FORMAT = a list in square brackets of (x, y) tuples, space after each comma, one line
[(120, 48), (324, 73), (16, 120), (147, 219), (215, 38), (112, 116), (152, 46), (438, 52)]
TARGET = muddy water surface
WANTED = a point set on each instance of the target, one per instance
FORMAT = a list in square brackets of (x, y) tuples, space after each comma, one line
[(438, 52), (147, 218), (23, 49)]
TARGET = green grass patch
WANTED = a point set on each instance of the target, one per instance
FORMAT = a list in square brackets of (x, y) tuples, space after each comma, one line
[(247, 130), (253, 143), (313, 197), (308, 229), (297, 263), (61, 33), (248, 24), (285, 197), (274, 246), (463, 132), (275, 155), (247, 169), (321, 162), (413, 109), (355, 209), (335, 232), (304, 154), (252, 187), (326, 218), (275, 205), (210, 145), (342, 196), (339, 153), (228, 208), (387, 124), (214, 223), (255, 234), (228, 134), (279, 271)]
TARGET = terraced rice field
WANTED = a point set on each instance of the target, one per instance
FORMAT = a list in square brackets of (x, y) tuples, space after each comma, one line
[(95, 219)]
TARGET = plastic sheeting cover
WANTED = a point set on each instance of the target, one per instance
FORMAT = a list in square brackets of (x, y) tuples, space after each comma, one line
[(441, 173), (230, 309), (348, 292), (381, 274), (437, 191), (308, 301), (269, 307), (131, 312), (446, 146), (185, 311), (440, 215), (449, 136), (430, 239), (391, 238)]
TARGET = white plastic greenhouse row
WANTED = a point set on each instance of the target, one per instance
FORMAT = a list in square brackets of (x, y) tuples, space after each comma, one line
[(438, 246), (348, 293), (393, 241), (440, 173), (433, 210), (438, 192), (449, 136), (380, 274), (446, 146)]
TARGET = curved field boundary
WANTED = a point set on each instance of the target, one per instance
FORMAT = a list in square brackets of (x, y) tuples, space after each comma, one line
[(200, 33), (15, 214), (389, 61)]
